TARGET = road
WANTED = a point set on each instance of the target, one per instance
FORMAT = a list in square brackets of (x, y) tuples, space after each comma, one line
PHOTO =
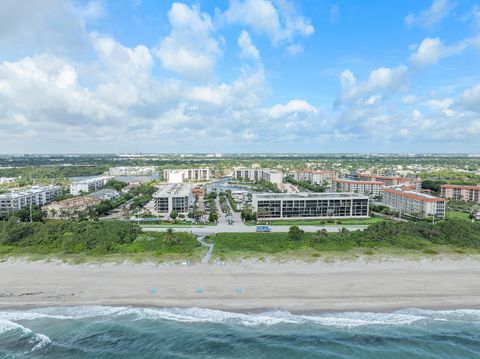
[(240, 227)]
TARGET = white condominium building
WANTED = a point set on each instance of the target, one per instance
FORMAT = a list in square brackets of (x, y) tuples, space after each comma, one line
[(258, 174), (320, 177), (370, 188), (132, 171), (187, 174), (35, 196), (414, 203), (271, 206), (88, 185), (173, 197), (461, 193)]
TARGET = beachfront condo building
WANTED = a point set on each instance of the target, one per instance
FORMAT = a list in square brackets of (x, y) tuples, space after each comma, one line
[(461, 193), (414, 203), (88, 185), (321, 177), (173, 197), (132, 171), (388, 181), (187, 174), (32, 196), (369, 188), (258, 174), (272, 206)]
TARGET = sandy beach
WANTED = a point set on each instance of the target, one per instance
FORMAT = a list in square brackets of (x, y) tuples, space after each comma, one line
[(297, 287)]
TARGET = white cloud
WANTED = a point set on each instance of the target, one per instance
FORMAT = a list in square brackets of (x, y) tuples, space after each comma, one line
[(293, 106), (190, 49), (294, 49), (470, 99), (380, 82), (431, 16), (248, 49), (431, 51), (409, 99), (278, 19)]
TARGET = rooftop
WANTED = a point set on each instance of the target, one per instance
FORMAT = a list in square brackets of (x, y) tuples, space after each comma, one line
[(174, 189), (423, 197), (313, 195), (73, 202)]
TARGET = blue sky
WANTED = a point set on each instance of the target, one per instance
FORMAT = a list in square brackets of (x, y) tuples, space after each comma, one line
[(240, 76)]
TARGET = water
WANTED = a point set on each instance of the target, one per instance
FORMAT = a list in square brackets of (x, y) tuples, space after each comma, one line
[(126, 332)]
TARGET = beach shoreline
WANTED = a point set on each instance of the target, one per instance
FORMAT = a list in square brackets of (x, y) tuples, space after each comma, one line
[(247, 286)]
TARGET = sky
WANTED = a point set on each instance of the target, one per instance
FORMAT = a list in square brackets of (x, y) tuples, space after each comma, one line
[(310, 76)]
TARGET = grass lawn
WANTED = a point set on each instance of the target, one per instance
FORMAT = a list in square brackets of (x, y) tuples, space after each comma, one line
[(320, 222), (458, 215)]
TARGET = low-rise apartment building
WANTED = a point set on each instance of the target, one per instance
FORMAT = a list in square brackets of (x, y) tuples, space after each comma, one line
[(414, 203), (461, 193), (132, 171), (88, 185), (32, 196), (369, 188), (173, 197), (320, 177), (271, 206), (71, 208), (187, 174), (258, 174)]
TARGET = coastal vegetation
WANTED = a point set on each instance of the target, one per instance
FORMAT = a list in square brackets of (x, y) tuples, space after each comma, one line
[(453, 236), (92, 239)]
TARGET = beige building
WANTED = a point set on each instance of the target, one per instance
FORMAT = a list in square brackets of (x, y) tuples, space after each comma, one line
[(461, 193), (414, 203), (369, 188), (70, 208)]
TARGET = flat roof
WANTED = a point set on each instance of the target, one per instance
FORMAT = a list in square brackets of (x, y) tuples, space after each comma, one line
[(174, 189), (311, 195)]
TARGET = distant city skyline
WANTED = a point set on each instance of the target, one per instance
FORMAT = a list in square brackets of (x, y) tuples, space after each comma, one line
[(237, 76)]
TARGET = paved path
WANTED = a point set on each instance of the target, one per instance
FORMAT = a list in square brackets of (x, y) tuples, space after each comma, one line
[(208, 255)]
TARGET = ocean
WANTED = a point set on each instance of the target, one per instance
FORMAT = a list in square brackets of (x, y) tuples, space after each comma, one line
[(128, 332)]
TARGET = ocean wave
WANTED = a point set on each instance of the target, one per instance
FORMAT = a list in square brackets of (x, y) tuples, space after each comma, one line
[(201, 315), (37, 339)]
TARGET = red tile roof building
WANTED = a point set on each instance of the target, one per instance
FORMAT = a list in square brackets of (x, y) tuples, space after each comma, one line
[(461, 193)]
